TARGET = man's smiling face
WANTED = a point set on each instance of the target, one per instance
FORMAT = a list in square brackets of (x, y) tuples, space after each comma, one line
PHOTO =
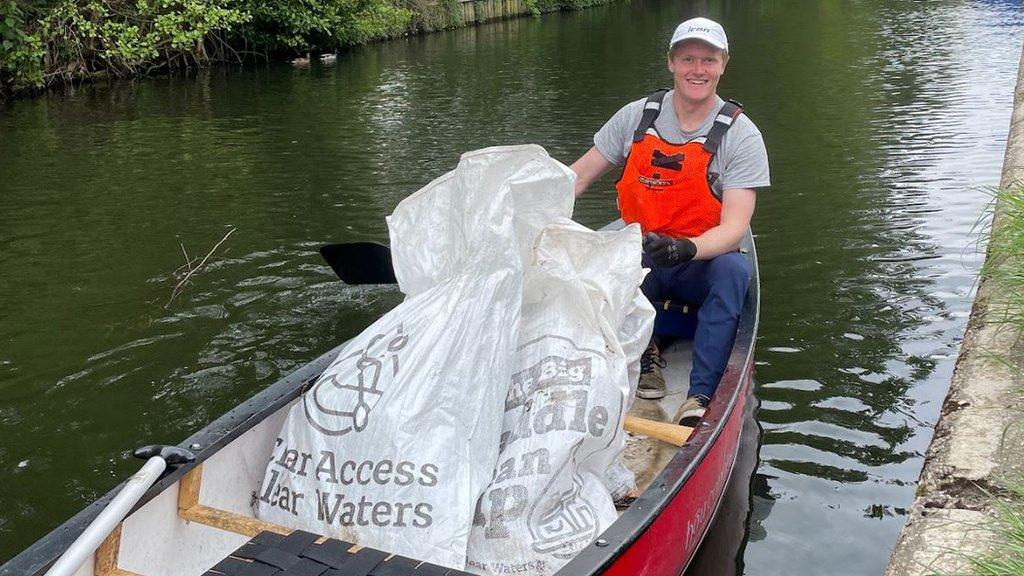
[(696, 67)]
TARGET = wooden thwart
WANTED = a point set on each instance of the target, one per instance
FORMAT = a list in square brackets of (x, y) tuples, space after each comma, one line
[(190, 509), (665, 431), (106, 556)]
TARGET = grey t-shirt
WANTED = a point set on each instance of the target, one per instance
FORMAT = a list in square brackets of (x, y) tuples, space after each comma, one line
[(741, 161)]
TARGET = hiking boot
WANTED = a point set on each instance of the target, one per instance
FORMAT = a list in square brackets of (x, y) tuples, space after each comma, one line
[(691, 411), (652, 381)]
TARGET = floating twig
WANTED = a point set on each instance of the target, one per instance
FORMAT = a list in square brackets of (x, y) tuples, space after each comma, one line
[(188, 264)]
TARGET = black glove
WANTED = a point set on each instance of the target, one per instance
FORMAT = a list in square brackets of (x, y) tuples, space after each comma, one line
[(665, 251)]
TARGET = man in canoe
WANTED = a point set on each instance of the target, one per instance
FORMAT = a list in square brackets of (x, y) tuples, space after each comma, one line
[(690, 165)]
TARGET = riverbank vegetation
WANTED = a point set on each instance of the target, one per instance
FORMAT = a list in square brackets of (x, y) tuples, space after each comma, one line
[(1005, 536), (51, 42), (1004, 265), (1004, 270)]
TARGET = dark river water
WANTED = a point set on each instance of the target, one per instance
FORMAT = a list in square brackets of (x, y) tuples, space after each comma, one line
[(885, 124)]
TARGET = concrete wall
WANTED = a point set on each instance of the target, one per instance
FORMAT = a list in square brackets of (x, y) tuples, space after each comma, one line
[(979, 439)]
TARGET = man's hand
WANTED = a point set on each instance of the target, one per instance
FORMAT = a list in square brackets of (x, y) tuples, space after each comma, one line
[(665, 251)]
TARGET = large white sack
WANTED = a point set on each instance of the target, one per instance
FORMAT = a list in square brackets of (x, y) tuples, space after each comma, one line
[(395, 442), (634, 335), (568, 397)]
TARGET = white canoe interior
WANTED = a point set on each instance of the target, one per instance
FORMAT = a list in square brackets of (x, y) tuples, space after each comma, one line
[(646, 457), (198, 521)]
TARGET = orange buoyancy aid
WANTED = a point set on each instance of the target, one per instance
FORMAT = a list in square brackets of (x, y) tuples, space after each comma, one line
[(667, 187)]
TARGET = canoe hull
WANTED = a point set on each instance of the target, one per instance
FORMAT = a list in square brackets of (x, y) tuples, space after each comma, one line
[(670, 543), (660, 533), (657, 536)]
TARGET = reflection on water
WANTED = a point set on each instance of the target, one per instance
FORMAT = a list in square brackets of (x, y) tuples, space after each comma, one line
[(721, 552), (855, 374), (884, 120)]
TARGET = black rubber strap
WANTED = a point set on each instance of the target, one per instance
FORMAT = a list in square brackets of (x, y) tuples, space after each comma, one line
[(652, 107), (331, 552), (303, 554), (297, 541), (712, 178), (731, 110)]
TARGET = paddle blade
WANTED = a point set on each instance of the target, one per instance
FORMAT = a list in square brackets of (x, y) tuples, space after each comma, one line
[(360, 262)]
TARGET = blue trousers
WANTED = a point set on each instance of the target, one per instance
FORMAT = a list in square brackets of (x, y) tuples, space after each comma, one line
[(719, 287)]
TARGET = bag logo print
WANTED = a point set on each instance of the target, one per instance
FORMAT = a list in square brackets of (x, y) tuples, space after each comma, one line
[(569, 526), (550, 396), (359, 389)]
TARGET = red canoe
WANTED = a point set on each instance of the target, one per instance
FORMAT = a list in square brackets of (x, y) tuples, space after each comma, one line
[(193, 518)]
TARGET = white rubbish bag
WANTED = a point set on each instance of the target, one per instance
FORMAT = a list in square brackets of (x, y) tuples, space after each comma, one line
[(583, 317), (395, 442), (634, 335)]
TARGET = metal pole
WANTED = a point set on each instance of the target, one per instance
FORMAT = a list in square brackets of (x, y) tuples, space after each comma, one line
[(86, 544)]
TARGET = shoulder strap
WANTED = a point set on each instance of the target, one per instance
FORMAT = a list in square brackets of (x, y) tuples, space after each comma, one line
[(651, 110), (729, 112)]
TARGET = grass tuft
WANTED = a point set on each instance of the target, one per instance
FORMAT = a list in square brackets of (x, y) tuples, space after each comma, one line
[(1006, 557), (1005, 262), (1004, 272)]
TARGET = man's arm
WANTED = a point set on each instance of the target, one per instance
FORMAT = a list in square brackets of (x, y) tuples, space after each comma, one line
[(737, 208), (589, 168)]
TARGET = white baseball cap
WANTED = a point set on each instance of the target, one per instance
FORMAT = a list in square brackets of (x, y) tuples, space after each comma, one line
[(701, 29)]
